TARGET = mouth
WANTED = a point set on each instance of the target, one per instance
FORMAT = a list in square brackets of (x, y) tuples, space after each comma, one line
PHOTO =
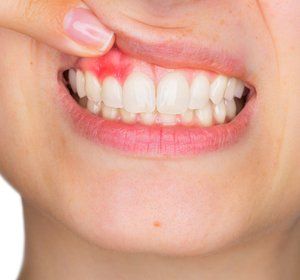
[(142, 109)]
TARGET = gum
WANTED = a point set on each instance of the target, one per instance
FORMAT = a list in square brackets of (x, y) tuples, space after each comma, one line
[(119, 65)]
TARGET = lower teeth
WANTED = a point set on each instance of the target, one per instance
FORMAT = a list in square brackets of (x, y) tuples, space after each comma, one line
[(210, 115)]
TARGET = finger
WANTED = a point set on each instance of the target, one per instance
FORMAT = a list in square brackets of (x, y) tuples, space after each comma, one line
[(65, 25)]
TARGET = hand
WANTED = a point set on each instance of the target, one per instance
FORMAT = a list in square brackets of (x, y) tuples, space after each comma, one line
[(66, 25)]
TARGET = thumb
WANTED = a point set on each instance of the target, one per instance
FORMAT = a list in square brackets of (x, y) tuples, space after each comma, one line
[(66, 25)]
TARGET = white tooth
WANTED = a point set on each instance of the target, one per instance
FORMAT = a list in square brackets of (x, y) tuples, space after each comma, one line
[(94, 107), (220, 112), (173, 94), (230, 89), (112, 93), (110, 113), (187, 117), (127, 116), (80, 83), (147, 118), (199, 92), (217, 89), (205, 115), (239, 89), (230, 109), (167, 119), (139, 94), (92, 87), (72, 79)]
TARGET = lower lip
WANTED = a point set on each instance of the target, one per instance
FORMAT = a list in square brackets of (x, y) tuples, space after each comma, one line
[(154, 141)]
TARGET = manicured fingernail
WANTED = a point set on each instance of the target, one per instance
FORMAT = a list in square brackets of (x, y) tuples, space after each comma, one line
[(83, 27)]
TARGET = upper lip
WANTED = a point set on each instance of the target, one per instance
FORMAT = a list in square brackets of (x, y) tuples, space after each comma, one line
[(174, 47), (181, 53)]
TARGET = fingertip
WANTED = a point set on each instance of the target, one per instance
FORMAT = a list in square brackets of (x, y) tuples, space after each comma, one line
[(84, 28)]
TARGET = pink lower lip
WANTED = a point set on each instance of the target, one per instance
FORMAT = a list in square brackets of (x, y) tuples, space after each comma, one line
[(154, 141)]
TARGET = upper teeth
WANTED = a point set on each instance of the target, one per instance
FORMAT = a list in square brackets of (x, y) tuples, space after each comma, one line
[(173, 95)]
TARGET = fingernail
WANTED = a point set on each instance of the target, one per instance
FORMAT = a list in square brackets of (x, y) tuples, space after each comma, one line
[(83, 27)]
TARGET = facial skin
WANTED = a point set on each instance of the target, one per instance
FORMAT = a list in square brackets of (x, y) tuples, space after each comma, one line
[(187, 207)]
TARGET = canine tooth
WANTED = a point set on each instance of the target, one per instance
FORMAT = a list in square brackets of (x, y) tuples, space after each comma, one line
[(187, 117), (94, 107), (167, 119), (217, 89), (230, 109), (147, 118), (80, 84), (127, 116), (205, 115), (92, 87), (220, 112), (239, 89), (199, 92), (109, 112), (230, 89), (139, 94), (173, 94), (112, 93), (72, 79)]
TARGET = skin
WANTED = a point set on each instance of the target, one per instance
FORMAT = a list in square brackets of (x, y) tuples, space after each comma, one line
[(93, 213)]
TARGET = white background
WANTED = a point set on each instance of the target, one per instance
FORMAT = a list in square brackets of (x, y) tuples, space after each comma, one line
[(11, 232)]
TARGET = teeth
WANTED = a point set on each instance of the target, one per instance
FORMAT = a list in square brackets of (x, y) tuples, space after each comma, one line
[(139, 94), (220, 112), (112, 93), (109, 113), (187, 117), (217, 89), (173, 94), (176, 102), (167, 119), (92, 87), (80, 84), (127, 116), (205, 116), (239, 90), (230, 89), (199, 92), (94, 107), (230, 109), (147, 118), (72, 80), (235, 88)]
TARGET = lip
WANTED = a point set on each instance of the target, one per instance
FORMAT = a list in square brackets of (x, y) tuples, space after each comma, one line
[(153, 141), (174, 47), (165, 53)]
